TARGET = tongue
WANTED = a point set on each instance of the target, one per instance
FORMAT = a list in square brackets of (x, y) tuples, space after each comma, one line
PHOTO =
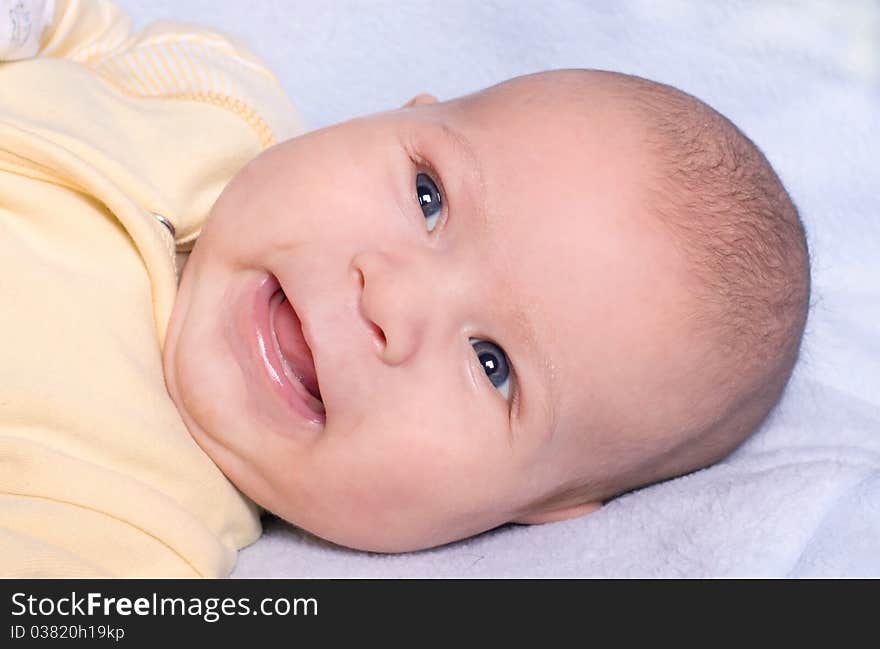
[(288, 330)]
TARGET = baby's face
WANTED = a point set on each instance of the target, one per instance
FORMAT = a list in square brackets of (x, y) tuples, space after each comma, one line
[(474, 291)]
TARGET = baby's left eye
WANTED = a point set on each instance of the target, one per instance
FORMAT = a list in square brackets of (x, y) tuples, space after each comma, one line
[(494, 363), (429, 199)]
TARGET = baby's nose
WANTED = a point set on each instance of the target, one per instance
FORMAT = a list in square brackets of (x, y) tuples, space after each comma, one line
[(393, 304)]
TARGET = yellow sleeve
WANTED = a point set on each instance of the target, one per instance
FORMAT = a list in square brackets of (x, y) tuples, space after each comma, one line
[(177, 63), (85, 30), (169, 60)]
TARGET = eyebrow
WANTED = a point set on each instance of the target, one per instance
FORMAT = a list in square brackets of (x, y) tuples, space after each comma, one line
[(526, 334)]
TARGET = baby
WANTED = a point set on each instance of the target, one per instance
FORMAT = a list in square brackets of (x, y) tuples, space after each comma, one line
[(512, 306)]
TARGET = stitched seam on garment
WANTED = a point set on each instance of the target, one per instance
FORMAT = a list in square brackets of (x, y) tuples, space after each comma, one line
[(237, 106)]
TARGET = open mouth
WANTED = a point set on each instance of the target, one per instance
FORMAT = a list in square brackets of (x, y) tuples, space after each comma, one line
[(293, 351)]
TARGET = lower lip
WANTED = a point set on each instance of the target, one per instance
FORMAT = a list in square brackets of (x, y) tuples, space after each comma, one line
[(293, 393)]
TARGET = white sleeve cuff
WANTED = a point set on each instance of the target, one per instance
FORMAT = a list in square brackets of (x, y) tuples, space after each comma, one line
[(22, 23)]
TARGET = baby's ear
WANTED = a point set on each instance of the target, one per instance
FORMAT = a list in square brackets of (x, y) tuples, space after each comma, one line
[(420, 100), (555, 514)]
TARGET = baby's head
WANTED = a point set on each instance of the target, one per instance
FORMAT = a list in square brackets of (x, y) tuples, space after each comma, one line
[(508, 307)]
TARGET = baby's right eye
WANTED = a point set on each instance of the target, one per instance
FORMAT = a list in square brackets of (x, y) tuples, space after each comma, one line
[(429, 199), (494, 362)]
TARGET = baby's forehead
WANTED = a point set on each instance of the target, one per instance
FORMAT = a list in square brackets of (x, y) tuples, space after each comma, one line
[(560, 147), (577, 102), (557, 165)]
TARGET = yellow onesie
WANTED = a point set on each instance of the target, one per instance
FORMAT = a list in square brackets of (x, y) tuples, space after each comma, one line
[(113, 147)]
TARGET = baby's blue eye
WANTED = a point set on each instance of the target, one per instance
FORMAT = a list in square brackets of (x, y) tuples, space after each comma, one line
[(429, 199), (494, 362)]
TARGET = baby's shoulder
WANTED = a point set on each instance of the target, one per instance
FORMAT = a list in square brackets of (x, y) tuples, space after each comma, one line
[(90, 441)]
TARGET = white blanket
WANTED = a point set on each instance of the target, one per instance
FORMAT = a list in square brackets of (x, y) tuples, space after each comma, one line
[(802, 497)]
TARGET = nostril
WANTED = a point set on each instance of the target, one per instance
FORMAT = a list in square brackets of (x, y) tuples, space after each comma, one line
[(375, 330), (378, 334)]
